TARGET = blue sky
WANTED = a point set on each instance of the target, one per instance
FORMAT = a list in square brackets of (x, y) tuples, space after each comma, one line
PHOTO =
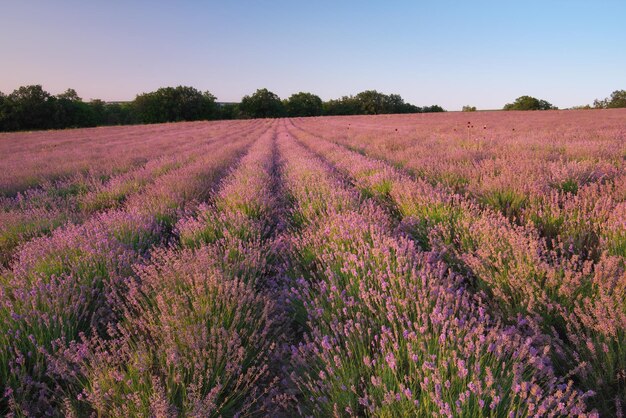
[(451, 53)]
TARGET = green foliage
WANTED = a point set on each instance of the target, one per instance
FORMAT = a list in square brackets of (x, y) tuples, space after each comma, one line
[(431, 109), (303, 104), (507, 201), (71, 111), (112, 113), (3, 109), (28, 107), (616, 242), (173, 104), (568, 186), (229, 111), (32, 108), (347, 105), (371, 102), (529, 103), (617, 99), (262, 104), (469, 108)]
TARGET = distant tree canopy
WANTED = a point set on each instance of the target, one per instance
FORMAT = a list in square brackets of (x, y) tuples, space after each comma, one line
[(29, 107), (229, 111), (347, 105), (113, 113), (3, 109), (33, 108), (262, 104), (173, 104), (529, 103), (71, 111), (303, 104), (430, 109), (372, 102), (617, 99)]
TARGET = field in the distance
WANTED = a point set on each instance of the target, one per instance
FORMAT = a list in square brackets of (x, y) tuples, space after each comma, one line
[(454, 264)]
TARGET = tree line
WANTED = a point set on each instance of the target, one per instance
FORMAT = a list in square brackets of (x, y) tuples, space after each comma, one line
[(529, 103), (33, 108), (615, 100)]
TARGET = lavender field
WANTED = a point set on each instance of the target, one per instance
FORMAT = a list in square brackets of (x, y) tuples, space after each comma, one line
[(450, 264)]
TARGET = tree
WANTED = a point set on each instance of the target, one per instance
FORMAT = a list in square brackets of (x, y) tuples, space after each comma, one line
[(229, 111), (70, 95), (262, 104), (394, 103), (303, 104), (371, 102), (4, 103), (173, 104), (29, 107), (617, 99), (601, 103), (102, 113), (545, 105), (98, 112), (122, 114), (409, 108), (469, 108), (71, 111), (529, 103), (347, 105), (432, 109)]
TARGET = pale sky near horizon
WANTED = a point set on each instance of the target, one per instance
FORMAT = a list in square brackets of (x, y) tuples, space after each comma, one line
[(451, 53)]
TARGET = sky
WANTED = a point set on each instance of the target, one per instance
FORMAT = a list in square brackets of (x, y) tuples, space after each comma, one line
[(450, 53)]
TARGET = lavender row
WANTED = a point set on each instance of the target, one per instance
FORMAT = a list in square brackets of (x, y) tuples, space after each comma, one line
[(565, 179), (579, 305), (244, 198), (38, 212), (38, 157), (81, 182), (200, 327), (529, 154), (387, 329), (69, 285), (45, 210), (78, 184)]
